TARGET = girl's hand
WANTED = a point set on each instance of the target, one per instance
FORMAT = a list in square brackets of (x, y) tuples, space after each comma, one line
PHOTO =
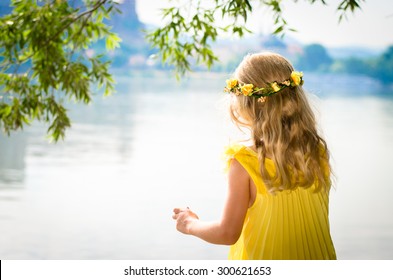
[(184, 219)]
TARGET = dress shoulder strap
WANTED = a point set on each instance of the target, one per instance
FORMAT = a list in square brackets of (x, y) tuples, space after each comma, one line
[(248, 159)]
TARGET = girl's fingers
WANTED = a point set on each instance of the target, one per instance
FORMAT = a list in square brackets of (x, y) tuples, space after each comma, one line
[(176, 214), (178, 210)]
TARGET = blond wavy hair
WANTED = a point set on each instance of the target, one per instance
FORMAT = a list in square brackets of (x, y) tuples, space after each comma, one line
[(283, 127)]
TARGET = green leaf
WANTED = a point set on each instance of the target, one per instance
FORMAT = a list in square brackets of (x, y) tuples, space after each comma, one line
[(112, 42)]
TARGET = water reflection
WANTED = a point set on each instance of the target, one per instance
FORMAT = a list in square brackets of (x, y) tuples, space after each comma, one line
[(107, 192), (12, 160)]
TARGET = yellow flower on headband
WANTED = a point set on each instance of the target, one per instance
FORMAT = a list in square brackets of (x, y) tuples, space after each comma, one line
[(246, 89), (231, 83), (296, 77), (275, 87)]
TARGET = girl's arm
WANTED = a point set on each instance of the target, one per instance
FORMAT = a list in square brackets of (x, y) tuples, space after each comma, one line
[(228, 229)]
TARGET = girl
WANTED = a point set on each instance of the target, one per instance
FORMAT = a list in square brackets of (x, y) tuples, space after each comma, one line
[(278, 188)]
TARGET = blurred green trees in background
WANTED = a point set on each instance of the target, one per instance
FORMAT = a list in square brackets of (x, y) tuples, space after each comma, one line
[(314, 58)]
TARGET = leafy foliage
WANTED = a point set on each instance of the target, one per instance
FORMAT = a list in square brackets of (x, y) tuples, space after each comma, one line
[(191, 27), (43, 60)]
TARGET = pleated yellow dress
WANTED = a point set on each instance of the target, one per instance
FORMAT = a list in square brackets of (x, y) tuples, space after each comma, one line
[(284, 226)]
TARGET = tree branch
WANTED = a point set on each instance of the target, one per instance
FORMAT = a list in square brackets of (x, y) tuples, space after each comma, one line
[(89, 12)]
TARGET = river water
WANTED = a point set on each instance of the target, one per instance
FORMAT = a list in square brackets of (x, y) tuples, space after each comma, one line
[(108, 190)]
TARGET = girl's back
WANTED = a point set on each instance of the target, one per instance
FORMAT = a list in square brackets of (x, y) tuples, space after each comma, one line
[(290, 224)]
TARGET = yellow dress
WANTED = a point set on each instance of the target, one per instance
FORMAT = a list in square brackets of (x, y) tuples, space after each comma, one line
[(286, 225)]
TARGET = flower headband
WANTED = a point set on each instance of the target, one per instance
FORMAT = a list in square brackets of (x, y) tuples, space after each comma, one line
[(233, 86)]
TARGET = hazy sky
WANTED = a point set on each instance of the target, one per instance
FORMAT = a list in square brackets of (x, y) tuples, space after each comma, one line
[(370, 27)]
